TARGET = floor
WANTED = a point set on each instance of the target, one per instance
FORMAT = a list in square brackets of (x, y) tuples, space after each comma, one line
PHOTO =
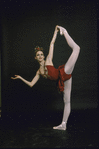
[(28, 130)]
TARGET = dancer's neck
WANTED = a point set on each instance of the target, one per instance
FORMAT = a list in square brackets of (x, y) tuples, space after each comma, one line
[(42, 63)]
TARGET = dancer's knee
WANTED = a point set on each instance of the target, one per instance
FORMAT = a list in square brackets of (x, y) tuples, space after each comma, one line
[(66, 100), (68, 70)]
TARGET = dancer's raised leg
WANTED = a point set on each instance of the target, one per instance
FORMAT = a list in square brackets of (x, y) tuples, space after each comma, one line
[(69, 66)]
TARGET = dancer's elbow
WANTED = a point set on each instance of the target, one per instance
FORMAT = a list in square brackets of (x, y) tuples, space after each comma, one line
[(31, 85)]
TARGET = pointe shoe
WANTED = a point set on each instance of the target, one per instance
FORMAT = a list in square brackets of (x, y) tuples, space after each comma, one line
[(61, 31), (61, 126)]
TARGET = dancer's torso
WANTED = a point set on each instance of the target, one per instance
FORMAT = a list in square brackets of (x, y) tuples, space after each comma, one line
[(52, 73), (49, 71)]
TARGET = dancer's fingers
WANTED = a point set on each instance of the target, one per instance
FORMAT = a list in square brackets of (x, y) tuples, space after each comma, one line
[(57, 28), (12, 78)]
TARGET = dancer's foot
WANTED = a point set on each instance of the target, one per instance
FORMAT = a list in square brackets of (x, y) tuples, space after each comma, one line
[(61, 30), (61, 126)]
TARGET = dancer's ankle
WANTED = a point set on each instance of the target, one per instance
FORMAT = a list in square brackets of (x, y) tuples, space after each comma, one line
[(61, 31), (63, 122)]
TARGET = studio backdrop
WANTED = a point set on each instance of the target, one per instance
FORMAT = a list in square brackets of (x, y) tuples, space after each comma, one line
[(26, 25)]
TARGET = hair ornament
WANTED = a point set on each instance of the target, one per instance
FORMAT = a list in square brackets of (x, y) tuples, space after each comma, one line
[(37, 48)]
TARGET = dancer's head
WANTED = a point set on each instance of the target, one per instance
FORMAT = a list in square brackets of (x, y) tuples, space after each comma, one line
[(39, 54)]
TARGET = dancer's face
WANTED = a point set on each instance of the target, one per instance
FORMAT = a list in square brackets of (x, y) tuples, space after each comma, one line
[(39, 56)]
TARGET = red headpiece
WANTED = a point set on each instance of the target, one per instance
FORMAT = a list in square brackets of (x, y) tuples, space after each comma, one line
[(38, 48)]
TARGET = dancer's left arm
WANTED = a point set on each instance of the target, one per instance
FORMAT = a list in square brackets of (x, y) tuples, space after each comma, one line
[(51, 48)]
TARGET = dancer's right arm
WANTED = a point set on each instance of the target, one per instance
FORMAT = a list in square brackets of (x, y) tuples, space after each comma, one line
[(32, 83)]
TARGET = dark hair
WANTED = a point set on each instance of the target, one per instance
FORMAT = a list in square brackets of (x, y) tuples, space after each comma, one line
[(37, 48)]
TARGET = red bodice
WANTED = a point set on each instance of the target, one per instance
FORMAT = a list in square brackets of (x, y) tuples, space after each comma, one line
[(57, 74)]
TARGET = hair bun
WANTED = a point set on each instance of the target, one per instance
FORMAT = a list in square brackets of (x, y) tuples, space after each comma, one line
[(37, 48)]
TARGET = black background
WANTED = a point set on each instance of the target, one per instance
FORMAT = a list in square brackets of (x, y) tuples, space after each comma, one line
[(26, 24)]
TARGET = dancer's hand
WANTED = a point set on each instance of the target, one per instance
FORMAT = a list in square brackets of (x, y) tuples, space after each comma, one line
[(57, 28), (16, 77)]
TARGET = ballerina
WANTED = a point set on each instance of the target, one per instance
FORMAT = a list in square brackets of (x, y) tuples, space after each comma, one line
[(62, 74)]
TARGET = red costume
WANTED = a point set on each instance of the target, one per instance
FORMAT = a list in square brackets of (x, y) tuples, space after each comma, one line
[(56, 74)]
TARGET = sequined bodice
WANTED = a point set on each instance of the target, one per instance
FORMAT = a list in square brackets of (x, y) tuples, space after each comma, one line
[(50, 72), (45, 75)]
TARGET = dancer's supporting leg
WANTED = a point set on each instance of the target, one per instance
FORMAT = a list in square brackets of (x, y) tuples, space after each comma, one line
[(69, 66), (67, 108)]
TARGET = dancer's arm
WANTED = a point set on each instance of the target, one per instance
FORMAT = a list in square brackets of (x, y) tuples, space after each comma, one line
[(32, 83), (50, 54)]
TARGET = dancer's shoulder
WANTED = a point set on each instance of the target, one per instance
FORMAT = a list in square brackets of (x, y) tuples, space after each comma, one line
[(38, 72)]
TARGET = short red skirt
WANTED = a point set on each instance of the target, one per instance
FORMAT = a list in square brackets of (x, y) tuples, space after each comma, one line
[(58, 74)]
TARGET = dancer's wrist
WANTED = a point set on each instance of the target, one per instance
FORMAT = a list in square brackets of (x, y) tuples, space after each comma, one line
[(56, 29)]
